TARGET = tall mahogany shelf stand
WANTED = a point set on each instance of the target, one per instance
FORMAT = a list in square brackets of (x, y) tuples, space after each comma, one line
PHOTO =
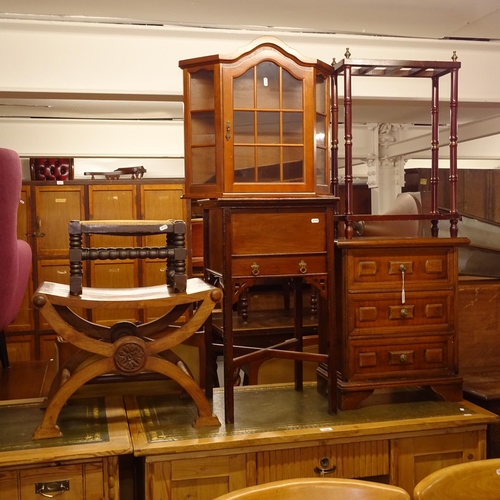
[(433, 70), (396, 297)]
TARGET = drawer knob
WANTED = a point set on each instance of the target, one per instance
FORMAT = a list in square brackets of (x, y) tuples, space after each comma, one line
[(255, 268), (302, 267), (404, 312), (403, 358), (52, 489), (325, 467)]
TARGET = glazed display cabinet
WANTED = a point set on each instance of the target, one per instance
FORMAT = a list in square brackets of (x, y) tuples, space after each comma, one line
[(257, 123)]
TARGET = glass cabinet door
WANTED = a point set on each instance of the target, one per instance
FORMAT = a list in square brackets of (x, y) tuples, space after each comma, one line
[(321, 133), (202, 127), (268, 130)]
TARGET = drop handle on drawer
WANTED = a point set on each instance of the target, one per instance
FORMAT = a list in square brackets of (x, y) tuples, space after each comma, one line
[(302, 267), (402, 268), (325, 467), (52, 489), (255, 268)]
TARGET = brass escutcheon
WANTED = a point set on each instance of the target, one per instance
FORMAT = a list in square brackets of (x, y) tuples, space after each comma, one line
[(302, 267)]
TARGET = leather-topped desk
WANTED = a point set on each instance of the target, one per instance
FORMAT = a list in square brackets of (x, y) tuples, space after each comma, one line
[(279, 433)]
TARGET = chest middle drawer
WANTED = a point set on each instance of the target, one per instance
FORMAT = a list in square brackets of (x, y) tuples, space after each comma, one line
[(385, 313)]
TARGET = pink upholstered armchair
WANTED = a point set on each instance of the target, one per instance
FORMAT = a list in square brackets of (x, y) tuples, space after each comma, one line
[(15, 255)]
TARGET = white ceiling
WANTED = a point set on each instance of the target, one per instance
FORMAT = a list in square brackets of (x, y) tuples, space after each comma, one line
[(435, 19)]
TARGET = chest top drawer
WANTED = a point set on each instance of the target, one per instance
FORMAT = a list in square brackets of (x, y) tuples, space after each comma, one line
[(391, 268)]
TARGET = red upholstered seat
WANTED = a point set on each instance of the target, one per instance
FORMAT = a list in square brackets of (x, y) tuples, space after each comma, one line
[(15, 254)]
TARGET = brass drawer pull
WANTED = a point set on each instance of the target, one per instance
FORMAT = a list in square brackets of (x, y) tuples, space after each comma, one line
[(403, 358), (404, 313), (255, 268), (52, 489), (325, 467), (302, 267)]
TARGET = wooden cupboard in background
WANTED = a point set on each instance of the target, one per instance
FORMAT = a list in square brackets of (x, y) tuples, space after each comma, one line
[(43, 218)]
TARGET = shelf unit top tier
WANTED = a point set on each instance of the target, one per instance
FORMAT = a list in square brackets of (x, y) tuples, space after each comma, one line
[(395, 68), (349, 68)]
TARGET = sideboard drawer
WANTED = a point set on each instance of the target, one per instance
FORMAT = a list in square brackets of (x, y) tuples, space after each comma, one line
[(72, 481), (365, 459)]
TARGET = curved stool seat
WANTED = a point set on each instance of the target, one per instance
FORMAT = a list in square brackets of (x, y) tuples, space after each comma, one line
[(124, 348)]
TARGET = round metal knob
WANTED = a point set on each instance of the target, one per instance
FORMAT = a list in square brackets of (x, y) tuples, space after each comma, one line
[(404, 312), (403, 358), (325, 467)]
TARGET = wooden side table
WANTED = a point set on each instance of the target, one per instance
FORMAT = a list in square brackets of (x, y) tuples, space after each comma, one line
[(247, 239)]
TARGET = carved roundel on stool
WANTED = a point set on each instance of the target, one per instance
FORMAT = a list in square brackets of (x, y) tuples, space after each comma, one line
[(130, 355)]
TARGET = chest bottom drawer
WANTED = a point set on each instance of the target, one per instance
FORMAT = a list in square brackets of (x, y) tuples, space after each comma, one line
[(429, 356)]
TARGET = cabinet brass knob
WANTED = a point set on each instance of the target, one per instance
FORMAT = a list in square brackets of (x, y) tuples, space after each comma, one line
[(255, 268), (403, 358), (404, 313), (325, 467), (302, 267)]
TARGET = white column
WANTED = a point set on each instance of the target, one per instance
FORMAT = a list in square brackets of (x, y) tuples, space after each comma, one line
[(387, 181)]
